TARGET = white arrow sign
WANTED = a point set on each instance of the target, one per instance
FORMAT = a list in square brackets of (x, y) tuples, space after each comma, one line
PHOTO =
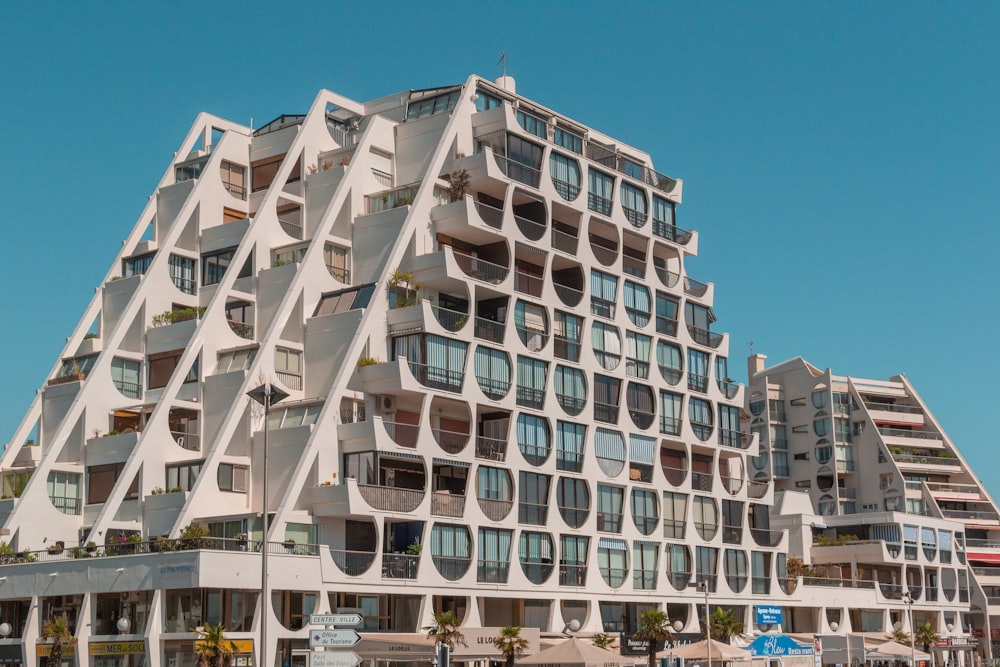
[(334, 659), (351, 620), (334, 638)]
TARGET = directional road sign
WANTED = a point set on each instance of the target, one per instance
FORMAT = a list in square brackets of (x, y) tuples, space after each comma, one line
[(334, 659), (334, 638), (350, 620)]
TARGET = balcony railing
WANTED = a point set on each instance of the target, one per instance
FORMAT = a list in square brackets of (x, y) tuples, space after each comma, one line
[(728, 389), (490, 330), (189, 441), (530, 228), (527, 283), (894, 407), (975, 515), (694, 288), (567, 191), (340, 274), (436, 377), (629, 167), (447, 504), (290, 380), (833, 582), (519, 171), (670, 425), (404, 435), (492, 571), (564, 348), (490, 215), (452, 320), (701, 481), (599, 204), (241, 329), (400, 566), (129, 389), (532, 513), (606, 412), (493, 387), (491, 449), (705, 337), (353, 563), (565, 242), (926, 460), (572, 575), (495, 510), (568, 295), (529, 397), (573, 405), (766, 538), (391, 499), (671, 232), (907, 433), (450, 441), (635, 217), (697, 383), (382, 177), (480, 269), (569, 461), (451, 568), (236, 190)]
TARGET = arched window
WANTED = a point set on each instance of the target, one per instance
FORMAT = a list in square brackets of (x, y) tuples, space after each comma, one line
[(533, 438)]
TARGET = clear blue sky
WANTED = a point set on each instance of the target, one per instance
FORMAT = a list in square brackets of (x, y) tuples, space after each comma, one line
[(838, 157)]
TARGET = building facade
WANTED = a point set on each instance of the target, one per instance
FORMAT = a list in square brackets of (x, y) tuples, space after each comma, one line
[(876, 494), (505, 398)]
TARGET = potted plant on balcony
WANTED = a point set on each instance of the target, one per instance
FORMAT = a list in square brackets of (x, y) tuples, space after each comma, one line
[(458, 181), (241, 540), (91, 547), (56, 547), (289, 545)]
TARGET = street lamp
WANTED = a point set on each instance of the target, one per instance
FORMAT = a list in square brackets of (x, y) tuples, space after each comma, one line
[(267, 395), (908, 601), (703, 586)]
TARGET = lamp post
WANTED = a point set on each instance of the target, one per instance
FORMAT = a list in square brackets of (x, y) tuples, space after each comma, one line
[(267, 395), (908, 600), (703, 586)]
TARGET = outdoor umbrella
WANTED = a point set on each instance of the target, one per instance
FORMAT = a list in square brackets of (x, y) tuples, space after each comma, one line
[(699, 651), (893, 651), (577, 653)]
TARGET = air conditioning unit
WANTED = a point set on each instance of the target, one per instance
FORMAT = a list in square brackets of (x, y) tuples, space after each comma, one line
[(385, 403)]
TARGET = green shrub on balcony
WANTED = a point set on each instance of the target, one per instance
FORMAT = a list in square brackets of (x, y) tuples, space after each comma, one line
[(177, 315)]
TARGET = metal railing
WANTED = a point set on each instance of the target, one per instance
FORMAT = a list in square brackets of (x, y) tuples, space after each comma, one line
[(629, 167), (527, 283), (599, 204), (571, 404), (985, 515), (450, 441), (451, 568), (670, 425), (492, 571), (569, 461), (384, 178), (635, 217), (495, 510), (189, 441), (452, 320), (353, 563), (573, 516), (766, 538), (340, 274), (833, 582), (572, 575), (606, 412), (666, 326), (535, 514), (290, 380), (564, 242), (694, 288), (667, 277), (185, 285), (728, 389), (568, 295), (129, 389), (238, 191), (634, 267), (907, 433), (490, 330), (614, 576), (926, 460), (665, 230), (609, 522), (602, 307), (894, 407), (291, 227), (519, 171), (531, 229), (567, 191), (491, 449), (241, 329), (701, 481), (697, 383), (564, 348), (447, 504), (705, 336), (437, 377), (67, 505), (480, 269), (400, 566), (391, 499), (490, 215), (529, 397)]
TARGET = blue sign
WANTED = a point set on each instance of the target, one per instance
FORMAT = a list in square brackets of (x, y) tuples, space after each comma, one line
[(778, 645), (768, 615)]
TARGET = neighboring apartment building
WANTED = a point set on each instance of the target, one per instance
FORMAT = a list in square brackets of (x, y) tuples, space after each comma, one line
[(890, 498), (505, 398)]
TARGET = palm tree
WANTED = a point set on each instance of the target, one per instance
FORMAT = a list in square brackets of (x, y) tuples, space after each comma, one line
[(445, 630), (925, 635), (510, 643), (654, 627), (900, 637), (212, 647), (57, 629), (724, 625), (601, 640)]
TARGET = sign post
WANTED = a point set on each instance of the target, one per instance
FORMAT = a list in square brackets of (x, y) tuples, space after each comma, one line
[(333, 637)]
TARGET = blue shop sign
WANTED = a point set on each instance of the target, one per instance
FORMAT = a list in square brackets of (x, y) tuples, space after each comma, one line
[(768, 615), (778, 645)]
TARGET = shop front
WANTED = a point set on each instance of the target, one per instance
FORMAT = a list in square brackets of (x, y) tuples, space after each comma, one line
[(117, 654), (43, 651)]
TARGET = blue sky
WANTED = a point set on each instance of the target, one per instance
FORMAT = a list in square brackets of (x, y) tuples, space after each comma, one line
[(838, 158)]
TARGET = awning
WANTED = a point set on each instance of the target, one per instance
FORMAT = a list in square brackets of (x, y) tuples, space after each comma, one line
[(993, 559), (405, 646)]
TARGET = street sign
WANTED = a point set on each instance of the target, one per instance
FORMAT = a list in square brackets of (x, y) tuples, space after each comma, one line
[(334, 638), (350, 620), (334, 659)]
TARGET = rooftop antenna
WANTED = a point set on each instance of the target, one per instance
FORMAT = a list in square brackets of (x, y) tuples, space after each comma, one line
[(751, 348), (503, 59), (251, 124)]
